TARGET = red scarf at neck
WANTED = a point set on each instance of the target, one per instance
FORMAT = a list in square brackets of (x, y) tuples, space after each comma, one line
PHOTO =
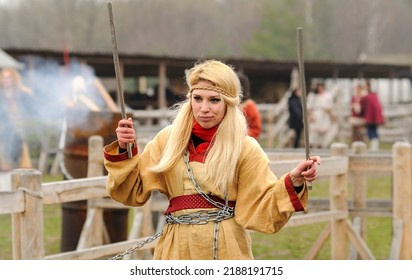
[(199, 153)]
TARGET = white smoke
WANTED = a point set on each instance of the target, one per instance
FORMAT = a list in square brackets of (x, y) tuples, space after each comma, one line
[(59, 90)]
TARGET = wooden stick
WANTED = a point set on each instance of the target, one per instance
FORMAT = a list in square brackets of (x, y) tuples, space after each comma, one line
[(117, 71), (303, 89)]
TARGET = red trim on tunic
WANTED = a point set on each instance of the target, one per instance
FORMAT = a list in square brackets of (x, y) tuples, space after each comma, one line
[(293, 196), (119, 157), (193, 201)]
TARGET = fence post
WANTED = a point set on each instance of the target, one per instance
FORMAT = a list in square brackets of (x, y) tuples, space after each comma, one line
[(269, 128), (359, 183), (27, 227), (94, 231), (402, 194), (338, 202), (359, 197), (95, 158)]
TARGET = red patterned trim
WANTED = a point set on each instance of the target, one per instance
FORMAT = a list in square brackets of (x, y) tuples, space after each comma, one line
[(193, 201), (119, 157), (293, 196)]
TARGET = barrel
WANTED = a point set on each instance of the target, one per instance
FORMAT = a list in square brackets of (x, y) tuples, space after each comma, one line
[(80, 126)]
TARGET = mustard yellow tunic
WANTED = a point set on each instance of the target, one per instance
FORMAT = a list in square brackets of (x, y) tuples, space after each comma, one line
[(264, 203)]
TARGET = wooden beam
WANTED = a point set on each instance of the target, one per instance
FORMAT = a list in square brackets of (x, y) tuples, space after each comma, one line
[(338, 202), (69, 190), (27, 227), (99, 252), (317, 217), (371, 163), (319, 243), (11, 202), (162, 86), (402, 194), (396, 246), (329, 166), (358, 242), (357, 226)]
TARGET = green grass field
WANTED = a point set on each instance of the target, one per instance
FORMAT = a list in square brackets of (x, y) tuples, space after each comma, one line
[(291, 243)]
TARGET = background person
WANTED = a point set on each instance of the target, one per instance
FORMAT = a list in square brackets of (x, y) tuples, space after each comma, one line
[(15, 107), (320, 115), (373, 114), (249, 108), (356, 119), (295, 120)]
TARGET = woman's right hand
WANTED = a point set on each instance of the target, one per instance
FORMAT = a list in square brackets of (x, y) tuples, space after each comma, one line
[(125, 132)]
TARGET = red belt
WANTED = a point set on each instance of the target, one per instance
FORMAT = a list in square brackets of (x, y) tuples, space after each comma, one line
[(193, 201)]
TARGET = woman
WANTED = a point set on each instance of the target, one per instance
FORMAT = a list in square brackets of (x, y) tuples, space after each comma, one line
[(321, 116), (217, 178)]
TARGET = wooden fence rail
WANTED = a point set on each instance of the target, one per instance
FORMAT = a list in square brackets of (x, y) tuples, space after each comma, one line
[(276, 132), (29, 194), (275, 129)]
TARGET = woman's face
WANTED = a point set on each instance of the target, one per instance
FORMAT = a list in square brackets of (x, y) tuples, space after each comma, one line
[(208, 106), (6, 79)]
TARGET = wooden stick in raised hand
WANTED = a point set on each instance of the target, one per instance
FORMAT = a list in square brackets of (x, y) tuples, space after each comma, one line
[(303, 89), (120, 95)]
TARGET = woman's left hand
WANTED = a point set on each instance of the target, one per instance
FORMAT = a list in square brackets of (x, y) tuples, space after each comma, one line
[(305, 171)]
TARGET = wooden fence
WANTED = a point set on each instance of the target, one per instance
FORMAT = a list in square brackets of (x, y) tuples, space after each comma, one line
[(25, 203), (275, 130)]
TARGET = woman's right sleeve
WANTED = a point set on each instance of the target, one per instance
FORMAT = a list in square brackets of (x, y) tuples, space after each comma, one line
[(129, 181)]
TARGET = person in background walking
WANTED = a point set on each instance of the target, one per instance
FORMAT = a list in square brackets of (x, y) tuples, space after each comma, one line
[(373, 114), (295, 121)]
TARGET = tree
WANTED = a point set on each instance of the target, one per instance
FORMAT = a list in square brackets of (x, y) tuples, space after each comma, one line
[(276, 37), (334, 30)]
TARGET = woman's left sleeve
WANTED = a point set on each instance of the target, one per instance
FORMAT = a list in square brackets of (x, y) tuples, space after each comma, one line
[(265, 202)]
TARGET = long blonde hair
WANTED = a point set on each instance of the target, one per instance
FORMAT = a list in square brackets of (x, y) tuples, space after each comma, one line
[(221, 160)]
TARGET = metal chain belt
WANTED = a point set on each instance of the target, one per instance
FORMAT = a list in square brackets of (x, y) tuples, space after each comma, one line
[(137, 246), (201, 217)]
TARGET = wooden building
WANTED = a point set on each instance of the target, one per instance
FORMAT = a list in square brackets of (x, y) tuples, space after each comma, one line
[(269, 79)]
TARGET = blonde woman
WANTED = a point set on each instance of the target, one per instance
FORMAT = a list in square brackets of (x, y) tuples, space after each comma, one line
[(217, 178)]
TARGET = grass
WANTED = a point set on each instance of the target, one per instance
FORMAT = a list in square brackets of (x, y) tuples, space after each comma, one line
[(291, 243), (294, 243)]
